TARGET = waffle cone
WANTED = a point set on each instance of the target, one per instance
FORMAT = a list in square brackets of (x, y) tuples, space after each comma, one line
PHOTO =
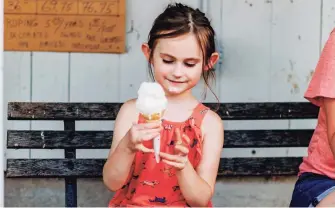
[(153, 117)]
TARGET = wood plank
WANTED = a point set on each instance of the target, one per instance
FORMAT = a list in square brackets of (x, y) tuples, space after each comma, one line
[(267, 138), (59, 139), (54, 167), (266, 110), (108, 111), (246, 64), (328, 20), (94, 78), (41, 168), (17, 86), (53, 78), (201, 91), (20, 139), (290, 72), (60, 111), (267, 166)]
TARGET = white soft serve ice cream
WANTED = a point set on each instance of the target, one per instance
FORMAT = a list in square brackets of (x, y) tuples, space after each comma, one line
[(151, 98), (151, 103)]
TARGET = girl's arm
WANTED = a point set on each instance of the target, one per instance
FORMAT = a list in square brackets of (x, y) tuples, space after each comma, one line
[(329, 106), (120, 158), (197, 186)]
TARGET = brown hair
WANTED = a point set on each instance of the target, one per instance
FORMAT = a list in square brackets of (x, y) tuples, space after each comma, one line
[(178, 19)]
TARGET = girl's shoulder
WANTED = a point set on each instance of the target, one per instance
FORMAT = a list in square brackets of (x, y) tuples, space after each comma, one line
[(212, 122), (129, 105), (128, 111)]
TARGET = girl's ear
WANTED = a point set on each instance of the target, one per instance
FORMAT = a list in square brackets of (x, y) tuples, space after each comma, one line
[(212, 61), (146, 51)]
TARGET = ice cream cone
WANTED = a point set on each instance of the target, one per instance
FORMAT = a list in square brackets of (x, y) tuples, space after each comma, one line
[(149, 118), (151, 104), (152, 117)]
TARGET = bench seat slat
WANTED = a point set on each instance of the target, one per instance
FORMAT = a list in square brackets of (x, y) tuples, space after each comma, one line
[(17, 139), (108, 111), (93, 167)]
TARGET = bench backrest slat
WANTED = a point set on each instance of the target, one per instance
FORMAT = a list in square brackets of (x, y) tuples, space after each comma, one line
[(62, 111), (91, 168), (71, 139), (267, 138), (267, 110), (20, 139), (108, 111), (54, 168), (262, 166)]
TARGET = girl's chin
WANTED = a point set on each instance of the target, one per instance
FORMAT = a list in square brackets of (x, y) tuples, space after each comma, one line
[(173, 89)]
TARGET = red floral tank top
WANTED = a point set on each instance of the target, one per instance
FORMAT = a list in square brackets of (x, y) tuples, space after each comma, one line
[(155, 184)]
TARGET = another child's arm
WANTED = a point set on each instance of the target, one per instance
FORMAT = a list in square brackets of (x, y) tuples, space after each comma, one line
[(329, 105), (197, 186), (127, 140)]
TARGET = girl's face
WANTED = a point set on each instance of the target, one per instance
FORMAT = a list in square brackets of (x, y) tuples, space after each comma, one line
[(177, 63)]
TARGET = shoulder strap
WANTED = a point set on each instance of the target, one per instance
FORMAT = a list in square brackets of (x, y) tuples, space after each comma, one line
[(199, 114)]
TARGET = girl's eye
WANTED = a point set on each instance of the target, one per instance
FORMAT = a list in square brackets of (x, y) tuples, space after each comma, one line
[(189, 65), (167, 61)]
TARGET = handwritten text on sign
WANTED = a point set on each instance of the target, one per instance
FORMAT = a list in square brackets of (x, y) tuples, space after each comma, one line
[(65, 25)]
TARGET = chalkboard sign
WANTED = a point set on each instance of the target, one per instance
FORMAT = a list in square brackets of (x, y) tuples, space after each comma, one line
[(95, 26)]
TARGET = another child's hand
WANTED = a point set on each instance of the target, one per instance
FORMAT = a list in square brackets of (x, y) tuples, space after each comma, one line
[(180, 158), (142, 132)]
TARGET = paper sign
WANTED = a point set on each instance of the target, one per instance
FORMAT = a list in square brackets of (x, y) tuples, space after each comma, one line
[(65, 25)]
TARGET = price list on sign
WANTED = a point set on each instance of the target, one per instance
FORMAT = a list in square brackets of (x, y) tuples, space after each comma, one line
[(95, 26)]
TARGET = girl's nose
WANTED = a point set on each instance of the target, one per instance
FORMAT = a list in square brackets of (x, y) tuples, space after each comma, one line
[(178, 71)]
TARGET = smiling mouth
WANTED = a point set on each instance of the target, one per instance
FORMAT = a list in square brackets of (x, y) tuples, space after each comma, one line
[(177, 82)]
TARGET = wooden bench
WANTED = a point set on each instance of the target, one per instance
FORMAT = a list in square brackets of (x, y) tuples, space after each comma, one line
[(71, 139)]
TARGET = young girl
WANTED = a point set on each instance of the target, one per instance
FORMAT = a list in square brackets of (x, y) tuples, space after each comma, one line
[(316, 183), (181, 50)]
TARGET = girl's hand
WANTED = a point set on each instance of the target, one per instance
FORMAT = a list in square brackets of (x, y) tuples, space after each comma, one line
[(142, 132), (180, 158)]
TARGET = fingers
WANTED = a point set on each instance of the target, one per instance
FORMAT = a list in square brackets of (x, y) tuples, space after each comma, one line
[(177, 135), (151, 125), (142, 148), (174, 160), (180, 138), (147, 136), (144, 132), (174, 164), (186, 139), (181, 149), (149, 131)]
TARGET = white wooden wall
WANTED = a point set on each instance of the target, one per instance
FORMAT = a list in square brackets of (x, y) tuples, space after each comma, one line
[(270, 50)]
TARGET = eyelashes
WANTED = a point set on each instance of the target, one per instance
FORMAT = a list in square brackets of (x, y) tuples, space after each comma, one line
[(167, 62), (171, 62)]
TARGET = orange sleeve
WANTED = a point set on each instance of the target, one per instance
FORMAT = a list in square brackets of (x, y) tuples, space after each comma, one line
[(323, 80)]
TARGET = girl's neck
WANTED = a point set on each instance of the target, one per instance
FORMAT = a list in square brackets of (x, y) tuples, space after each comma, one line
[(180, 107), (184, 99)]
